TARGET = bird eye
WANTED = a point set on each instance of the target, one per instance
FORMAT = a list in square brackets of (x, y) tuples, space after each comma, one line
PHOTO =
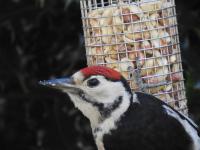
[(93, 82)]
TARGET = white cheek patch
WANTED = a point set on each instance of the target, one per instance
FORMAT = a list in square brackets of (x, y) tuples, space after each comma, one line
[(87, 109), (107, 92), (193, 133)]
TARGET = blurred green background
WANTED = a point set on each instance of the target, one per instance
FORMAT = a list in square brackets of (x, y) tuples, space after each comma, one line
[(42, 39)]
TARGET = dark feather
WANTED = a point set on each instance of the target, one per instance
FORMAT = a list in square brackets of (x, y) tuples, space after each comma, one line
[(146, 126)]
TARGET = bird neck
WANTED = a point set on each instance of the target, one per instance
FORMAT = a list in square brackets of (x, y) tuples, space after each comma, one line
[(106, 110), (110, 123), (114, 113)]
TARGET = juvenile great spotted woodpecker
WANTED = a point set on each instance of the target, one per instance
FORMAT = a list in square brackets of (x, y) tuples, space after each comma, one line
[(124, 120)]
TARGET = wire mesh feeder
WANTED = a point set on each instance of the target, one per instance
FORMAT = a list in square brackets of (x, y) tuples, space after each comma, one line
[(139, 39)]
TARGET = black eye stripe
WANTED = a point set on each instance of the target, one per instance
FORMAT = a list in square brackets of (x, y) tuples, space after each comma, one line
[(93, 82)]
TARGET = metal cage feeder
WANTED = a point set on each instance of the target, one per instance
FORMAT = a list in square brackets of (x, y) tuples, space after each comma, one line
[(139, 39)]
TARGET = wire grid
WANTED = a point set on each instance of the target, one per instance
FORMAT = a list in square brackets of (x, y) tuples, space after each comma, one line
[(139, 39)]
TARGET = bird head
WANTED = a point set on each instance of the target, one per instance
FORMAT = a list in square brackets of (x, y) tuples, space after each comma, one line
[(96, 91)]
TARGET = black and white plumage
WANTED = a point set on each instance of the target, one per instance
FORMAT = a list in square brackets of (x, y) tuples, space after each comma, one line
[(122, 120), (153, 126)]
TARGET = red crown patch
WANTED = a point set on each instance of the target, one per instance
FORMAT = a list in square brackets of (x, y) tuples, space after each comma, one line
[(101, 70)]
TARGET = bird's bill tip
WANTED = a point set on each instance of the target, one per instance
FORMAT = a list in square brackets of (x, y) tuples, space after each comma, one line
[(57, 83)]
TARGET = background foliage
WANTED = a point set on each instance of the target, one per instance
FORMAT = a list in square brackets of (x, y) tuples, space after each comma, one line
[(41, 39)]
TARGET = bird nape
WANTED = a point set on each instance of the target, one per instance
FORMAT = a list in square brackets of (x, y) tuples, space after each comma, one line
[(124, 120)]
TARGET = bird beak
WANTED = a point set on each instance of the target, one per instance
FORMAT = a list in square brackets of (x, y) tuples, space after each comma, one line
[(65, 84)]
